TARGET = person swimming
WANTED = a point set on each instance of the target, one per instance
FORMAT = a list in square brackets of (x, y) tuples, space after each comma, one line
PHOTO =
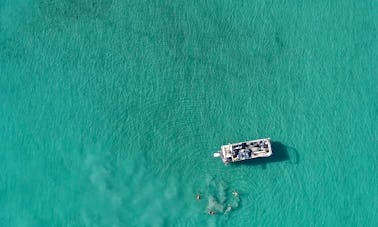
[(235, 193), (229, 207), (198, 196), (211, 212)]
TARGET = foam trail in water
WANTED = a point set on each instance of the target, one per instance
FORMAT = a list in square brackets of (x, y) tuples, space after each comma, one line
[(222, 192), (213, 204)]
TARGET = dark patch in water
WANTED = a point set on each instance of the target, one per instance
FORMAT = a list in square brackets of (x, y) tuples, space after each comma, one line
[(278, 40), (74, 9)]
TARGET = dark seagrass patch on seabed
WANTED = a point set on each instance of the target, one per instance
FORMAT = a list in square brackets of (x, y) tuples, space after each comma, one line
[(74, 9)]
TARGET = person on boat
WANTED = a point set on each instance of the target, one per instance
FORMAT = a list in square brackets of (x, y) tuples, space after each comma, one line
[(198, 196), (211, 212)]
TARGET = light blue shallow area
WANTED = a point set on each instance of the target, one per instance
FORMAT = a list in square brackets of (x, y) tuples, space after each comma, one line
[(110, 112)]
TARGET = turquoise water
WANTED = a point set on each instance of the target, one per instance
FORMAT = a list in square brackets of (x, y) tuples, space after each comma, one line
[(110, 112)]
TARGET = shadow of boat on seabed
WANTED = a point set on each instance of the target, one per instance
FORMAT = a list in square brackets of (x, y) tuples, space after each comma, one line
[(281, 153)]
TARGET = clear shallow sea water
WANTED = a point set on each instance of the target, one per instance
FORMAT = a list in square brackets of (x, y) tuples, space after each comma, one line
[(110, 112)]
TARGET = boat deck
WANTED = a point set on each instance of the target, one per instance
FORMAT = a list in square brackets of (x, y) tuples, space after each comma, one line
[(246, 150)]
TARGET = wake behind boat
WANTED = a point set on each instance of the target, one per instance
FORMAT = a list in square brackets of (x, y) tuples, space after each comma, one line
[(245, 150)]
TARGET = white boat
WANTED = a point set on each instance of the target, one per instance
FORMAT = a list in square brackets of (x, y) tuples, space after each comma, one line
[(242, 151)]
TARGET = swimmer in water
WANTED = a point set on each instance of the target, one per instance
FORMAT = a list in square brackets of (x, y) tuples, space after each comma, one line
[(229, 207), (198, 196), (235, 193), (211, 212)]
